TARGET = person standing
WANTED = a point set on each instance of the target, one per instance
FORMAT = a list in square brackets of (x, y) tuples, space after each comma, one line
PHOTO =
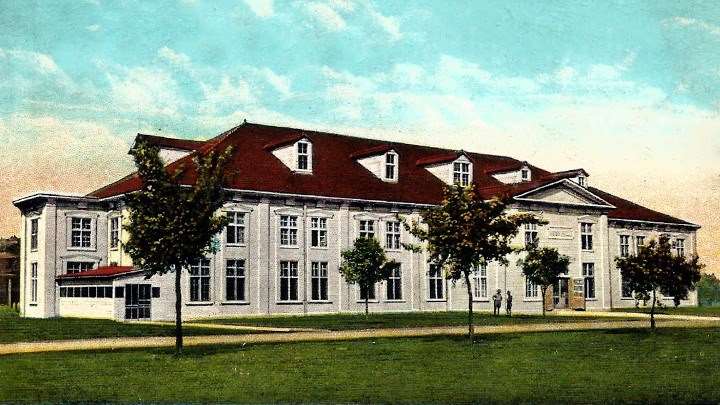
[(508, 303), (497, 300)]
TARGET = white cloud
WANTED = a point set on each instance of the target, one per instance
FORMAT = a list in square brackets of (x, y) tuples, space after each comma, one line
[(342, 5), (390, 25), (228, 94), (261, 8), (325, 16), (148, 91), (278, 82), (175, 58), (693, 22), (93, 28)]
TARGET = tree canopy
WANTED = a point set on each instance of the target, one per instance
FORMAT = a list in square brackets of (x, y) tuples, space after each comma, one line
[(543, 267), (366, 264), (172, 225), (655, 269), (465, 232)]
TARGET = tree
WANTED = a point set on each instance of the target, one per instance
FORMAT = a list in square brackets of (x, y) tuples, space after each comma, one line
[(365, 264), (708, 290), (543, 267), (172, 225), (656, 269), (465, 232)]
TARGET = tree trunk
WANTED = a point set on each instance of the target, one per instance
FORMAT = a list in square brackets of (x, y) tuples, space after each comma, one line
[(471, 327), (544, 292), (652, 312), (367, 298), (178, 313)]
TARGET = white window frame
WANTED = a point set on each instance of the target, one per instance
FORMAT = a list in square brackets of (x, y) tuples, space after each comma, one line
[(679, 246), (319, 281), (532, 290), (531, 235), (199, 272), (588, 272), (639, 242), (581, 181), (624, 245), (366, 228), (287, 274), (84, 233), (318, 232), (306, 153), (114, 230), (391, 166), (436, 283), (33, 282), (480, 283), (525, 174), (622, 289), (34, 233), (461, 173), (238, 280), (394, 287), (392, 235), (289, 230), (81, 266), (236, 228), (586, 236)]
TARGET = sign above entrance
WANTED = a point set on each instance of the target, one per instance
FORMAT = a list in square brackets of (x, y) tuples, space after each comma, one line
[(560, 232)]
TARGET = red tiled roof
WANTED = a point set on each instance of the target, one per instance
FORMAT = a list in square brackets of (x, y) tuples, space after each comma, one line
[(175, 143), (100, 272), (372, 151), (336, 173), (509, 168), (629, 210)]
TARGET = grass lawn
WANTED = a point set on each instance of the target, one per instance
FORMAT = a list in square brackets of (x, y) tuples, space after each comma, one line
[(698, 311), (395, 320), (13, 328), (672, 365)]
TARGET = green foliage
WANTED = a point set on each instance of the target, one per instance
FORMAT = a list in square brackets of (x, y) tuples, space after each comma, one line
[(365, 264), (656, 269), (708, 290), (543, 266), (465, 232), (172, 225)]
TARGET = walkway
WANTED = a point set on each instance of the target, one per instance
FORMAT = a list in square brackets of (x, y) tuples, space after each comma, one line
[(319, 336)]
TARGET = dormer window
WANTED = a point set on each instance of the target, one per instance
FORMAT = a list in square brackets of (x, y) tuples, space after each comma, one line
[(303, 156), (461, 173), (525, 174), (581, 181), (391, 166)]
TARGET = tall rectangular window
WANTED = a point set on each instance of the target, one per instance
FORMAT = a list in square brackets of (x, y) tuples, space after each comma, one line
[(235, 229), (288, 281), (303, 156), (588, 270), (461, 173), (525, 174), (624, 245), (625, 289), (586, 236), (34, 226), (680, 247), (114, 232), (369, 292), (78, 267), (235, 280), (81, 232), (639, 242), (437, 286), (394, 284), (319, 281), (531, 289), (392, 235), (288, 230), (33, 282), (367, 229), (480, 283), (318, 232), (531, 235), (390, 166), (200, 281)]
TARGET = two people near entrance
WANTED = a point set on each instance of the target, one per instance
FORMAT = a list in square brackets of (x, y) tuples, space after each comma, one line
[(497, 303)]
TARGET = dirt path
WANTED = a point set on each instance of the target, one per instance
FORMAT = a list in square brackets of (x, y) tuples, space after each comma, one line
[(316, 336)]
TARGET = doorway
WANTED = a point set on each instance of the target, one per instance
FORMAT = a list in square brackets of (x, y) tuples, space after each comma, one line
[(137, 301), (560, 294)]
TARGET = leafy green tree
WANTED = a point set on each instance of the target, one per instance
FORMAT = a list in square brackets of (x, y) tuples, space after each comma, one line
[(365, 264), (656, 269), (708, 290), (465, 232), (170, 225), (543, 267)]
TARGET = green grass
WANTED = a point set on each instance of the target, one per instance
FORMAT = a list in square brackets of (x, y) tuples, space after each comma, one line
[(669, 366), (697, 311), (13, 328), (395, 320)]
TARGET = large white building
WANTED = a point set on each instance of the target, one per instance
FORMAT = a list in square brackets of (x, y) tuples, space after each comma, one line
[(297, 198)]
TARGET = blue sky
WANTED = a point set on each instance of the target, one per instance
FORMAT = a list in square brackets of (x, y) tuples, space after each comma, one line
[(628, 90)]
